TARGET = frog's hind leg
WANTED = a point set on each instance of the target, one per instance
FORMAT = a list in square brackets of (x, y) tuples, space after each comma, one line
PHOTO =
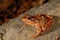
[(37, 33)]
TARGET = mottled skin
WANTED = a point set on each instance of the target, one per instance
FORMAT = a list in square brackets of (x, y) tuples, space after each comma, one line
[(42, 22)]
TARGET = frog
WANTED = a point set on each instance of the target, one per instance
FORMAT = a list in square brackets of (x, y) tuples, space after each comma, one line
[(42, 22)]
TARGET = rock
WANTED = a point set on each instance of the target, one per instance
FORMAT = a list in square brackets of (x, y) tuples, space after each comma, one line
[(17, 30)]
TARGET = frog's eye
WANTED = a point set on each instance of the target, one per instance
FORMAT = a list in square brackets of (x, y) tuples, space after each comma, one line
[(29, 17)]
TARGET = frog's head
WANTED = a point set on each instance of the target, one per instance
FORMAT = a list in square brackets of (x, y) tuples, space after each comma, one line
[(28, 19)]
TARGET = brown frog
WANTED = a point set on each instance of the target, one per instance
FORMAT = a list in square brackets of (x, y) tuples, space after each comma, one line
[(42, 22)]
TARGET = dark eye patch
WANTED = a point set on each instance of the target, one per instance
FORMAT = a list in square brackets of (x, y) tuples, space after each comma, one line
[(29, 17)]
